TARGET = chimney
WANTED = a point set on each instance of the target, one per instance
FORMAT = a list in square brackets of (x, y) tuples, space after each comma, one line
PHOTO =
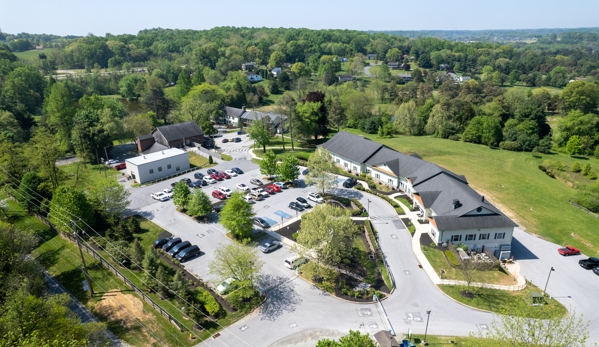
[(243, 108), (483, 198), (455, 204)]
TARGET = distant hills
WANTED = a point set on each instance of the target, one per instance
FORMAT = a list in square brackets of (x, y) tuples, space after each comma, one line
[(499, 35)]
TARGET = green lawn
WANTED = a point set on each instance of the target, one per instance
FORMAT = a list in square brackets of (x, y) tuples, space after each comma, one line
[(196, 160), (301, 154), (34, 53), (502, 300), (87, 176), (513, 183)]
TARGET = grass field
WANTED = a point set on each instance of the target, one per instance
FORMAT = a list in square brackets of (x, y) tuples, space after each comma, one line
[(513, 183), (196, 160), (86, 176), (34, 53)]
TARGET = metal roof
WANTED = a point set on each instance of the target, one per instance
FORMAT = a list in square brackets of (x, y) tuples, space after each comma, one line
[(152, 157)]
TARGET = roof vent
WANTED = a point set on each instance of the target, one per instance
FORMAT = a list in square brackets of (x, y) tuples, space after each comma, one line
[(455, 204), (144, 157), (482, 198)]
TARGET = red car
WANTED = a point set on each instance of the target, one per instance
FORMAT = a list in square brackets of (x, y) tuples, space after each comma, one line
[(120, 166), (269, 190), (216, 176), (568, 251), (275, 188), (219, 195), (223, 175)]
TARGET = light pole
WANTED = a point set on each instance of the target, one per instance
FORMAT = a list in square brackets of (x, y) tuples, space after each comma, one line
[(368, 211), (550, 271), (428, 316), (105, 152)]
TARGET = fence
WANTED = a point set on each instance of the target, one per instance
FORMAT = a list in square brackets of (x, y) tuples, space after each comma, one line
[(446, 282), (383, 256), (209, 152), (585, 210)]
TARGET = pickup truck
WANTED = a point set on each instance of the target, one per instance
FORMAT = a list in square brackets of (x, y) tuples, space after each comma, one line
[(568, 251)]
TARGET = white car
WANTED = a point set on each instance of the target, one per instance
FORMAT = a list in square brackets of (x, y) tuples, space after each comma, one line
[(209, 179), (225, 191), (259, 191), (112, 161), (231, 173), (221, 288), (168, 192), (280, 185), (243, 187), (315, 197), (160, 196), (249, 199)]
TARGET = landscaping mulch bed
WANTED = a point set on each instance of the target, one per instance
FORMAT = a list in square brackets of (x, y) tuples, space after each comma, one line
[(425, 240), (290, 229)]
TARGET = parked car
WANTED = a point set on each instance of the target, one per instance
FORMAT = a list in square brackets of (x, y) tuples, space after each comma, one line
[(294, 205), (256, 182), (231, 173), (316, 198), (242, 187), (168, 192), (160, 242), (240, 132), (198, 175), (201, 183), (194, 185), (225, 191), (187, 253), (350, 182), (295, 261), (222, 288), (211, 171), (275, 188), (261, 223), (270, 246), (160, 196), (303, 202), (237, 139), (219, 195), (568, 251), (280, 185), (186, 180), (596, 270), (269, 190), (225, 140), (305, 172), (179, 247), (217, 208), (216, 176), (237, 170), (255, 196), (259, 191), (589, 263), (120, 166), (209, 180), (174, 184), (111, 162), (171, 243), (223, 175), (249, 199)]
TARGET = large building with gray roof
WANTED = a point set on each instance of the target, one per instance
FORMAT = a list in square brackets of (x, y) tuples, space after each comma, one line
[(454, 211)]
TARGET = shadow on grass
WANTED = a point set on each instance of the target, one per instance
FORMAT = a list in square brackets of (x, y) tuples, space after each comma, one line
[(72, 280), (50, 257)]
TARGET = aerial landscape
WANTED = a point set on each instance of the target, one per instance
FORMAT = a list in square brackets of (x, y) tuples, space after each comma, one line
[(331, 174)]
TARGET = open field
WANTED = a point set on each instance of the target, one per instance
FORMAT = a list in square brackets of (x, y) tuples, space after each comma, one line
[(513, 182), (34, 53), (84, 177)]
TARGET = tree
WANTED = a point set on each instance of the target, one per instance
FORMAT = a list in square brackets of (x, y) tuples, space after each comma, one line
[(354, 339), (532, 326), (268, 165), (237, 216), (162, 277), (199, 204), (42, 152), (132, 86), (10, 129), (581, 95), (151, 263), (138, 124), (289, 168), (336, 117), (183, 83), (574, 146), (203, 102), (260, 131), (320, 168), (178, 286), (329, 232), (586, 169), (485, 130), (406, 119), (155, 99), (301, 70), (181, 194), (238, 261), (33, 193), (69, 204), (575, 167), (109, 198), (307, 121), (277, 58), (137, 253)]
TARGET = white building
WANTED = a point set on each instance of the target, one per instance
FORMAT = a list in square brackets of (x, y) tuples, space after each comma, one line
[(454, 211), (149, 167)]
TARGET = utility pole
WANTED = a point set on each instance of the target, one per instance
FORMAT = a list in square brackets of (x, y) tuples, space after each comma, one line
[(87, 278)]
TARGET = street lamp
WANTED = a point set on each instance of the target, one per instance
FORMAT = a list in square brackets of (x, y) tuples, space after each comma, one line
[(368, 209), (428, 313), (550, 271)]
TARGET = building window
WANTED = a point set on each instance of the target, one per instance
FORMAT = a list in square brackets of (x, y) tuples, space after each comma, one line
[(355, 168), (368, 170), (151, 171), (377, 176), (168, 166), (484, 236), (390, 181), (345, 164), (433, 233), (456, 238), (499, 236), (178, 168), (159, 168), (337, 160), (470, 237)]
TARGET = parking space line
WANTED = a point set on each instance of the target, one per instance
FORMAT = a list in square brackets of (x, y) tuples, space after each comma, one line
[(282, 214)]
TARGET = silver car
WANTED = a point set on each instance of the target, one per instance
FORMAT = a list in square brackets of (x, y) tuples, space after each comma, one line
[(270, 246)]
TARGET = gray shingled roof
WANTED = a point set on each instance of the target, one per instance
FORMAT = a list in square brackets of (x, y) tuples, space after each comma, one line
[(234, 112), (180, 131), (156, 147), (385, 339), (275, 119), (145, 137), (352, 147)]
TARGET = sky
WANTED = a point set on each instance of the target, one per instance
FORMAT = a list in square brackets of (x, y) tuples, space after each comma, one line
[(80, 17)]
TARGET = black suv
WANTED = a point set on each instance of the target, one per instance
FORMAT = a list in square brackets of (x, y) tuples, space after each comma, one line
[(172, 243), (211, 171), (350, 182), (198, 175), (589, 263)]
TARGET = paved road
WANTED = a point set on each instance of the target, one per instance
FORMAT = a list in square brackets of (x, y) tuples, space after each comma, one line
[(367, 69)]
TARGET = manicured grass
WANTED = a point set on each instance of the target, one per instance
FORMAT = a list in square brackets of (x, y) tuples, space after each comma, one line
[(34, 53), (226, 157), (196, 160), (301, 154), (440, 341), (513, 183), (438, 261), (87, 176), (501, 301)]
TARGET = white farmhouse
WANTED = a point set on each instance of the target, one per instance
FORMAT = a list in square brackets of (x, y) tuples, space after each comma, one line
[(149, 167), (453, 210)]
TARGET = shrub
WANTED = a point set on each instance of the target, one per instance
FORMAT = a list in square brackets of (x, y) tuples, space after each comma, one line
[(360, 187), (451, 257), (302, 156), (210, 160), (586, 169), (433, 245), (294, 235), (510, 146), (245, 298), (597, 152), (587, 200), (208, 301), (463, 246), (575, 167), (454, 137), (592, 175)]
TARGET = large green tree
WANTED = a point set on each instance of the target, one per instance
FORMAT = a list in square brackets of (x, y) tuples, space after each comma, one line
[(238, 261), (181, 195), (109, 198), (321, 168), (70, 205), (268, 164), (204, 101), (581, 95), (199, 204), (33, 193), (42, 151), (132, 86), (261, 132), (289, 168), (354, 339), (237, 216)]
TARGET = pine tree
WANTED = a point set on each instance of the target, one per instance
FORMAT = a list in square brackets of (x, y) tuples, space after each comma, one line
[(137, 253), (162, 278)]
